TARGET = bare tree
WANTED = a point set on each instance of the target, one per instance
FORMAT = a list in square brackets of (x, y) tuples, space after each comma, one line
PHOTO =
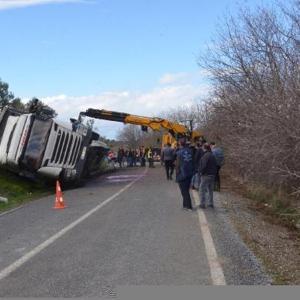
[(187, 114), (131, 136), (255, 108)]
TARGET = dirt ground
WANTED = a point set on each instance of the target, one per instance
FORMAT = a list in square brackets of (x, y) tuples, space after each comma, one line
[(277, 246)]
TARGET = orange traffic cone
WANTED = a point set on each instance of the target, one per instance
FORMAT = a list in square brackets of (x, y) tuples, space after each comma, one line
[(59, 200)]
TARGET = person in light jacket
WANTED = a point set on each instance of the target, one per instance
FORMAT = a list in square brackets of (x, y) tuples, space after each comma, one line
[(219, 155), (167, 158)]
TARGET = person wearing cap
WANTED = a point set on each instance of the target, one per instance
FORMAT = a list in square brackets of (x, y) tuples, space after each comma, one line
[(207, 171), (185, 172)]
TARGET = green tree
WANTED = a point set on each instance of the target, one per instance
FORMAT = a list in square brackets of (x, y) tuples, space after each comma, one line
[(37, 106), (5, 95), (17, 104)]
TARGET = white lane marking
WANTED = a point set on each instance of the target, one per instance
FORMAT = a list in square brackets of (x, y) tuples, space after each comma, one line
[(11, 210), (123, 177), (216, 271), (118, 180), (21, 261)]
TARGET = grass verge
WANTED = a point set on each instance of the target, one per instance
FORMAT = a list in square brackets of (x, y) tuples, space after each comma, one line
[(19, 190), (275, 203)]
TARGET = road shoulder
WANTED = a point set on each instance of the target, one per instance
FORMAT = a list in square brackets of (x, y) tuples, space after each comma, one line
[(274, 244)]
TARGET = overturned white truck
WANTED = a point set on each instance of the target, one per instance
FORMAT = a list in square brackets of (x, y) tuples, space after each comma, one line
[(34, 145)]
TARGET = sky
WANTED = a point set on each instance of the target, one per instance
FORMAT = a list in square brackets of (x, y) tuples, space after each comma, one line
[(134, 56)]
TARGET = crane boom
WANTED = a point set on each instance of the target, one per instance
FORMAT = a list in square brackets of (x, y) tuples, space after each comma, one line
[(175, 130), (153, 123)]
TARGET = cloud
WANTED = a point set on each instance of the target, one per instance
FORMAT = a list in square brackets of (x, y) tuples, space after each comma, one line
[(169, 78), (8, 4), (150, 103), (184, 77)]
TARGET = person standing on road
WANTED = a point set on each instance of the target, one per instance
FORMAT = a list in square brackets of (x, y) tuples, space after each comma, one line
[(137, 157), (150, 158), (219, 155), (184, 172), (207, 171), (167, 158), (198, 154), (143, 156), (130, 158), (120, 156)]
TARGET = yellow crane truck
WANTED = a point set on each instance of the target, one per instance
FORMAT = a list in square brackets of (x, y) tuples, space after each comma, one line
[(175, 130)]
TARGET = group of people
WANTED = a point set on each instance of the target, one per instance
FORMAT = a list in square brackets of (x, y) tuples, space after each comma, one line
[(133, 157), (197, 167)]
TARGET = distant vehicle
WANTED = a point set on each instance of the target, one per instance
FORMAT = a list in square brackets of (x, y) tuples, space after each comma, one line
[(34, 145)]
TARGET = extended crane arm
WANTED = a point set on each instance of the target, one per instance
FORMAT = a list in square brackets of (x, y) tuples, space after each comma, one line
[(153, 123)]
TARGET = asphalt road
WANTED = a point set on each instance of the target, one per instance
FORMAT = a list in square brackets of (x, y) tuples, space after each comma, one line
[(125, 228)]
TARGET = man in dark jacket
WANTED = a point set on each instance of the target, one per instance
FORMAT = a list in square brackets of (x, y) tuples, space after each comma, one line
[(120, 156), (207, 170), (184, 173), (143, 156), (167, 158), (150, 157), (197, 156)]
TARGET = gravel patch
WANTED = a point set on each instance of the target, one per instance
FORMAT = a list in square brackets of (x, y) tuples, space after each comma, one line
[(277, 246)]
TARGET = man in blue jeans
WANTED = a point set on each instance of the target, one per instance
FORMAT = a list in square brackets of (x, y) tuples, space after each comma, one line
[(198, 154), (208, 171)]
